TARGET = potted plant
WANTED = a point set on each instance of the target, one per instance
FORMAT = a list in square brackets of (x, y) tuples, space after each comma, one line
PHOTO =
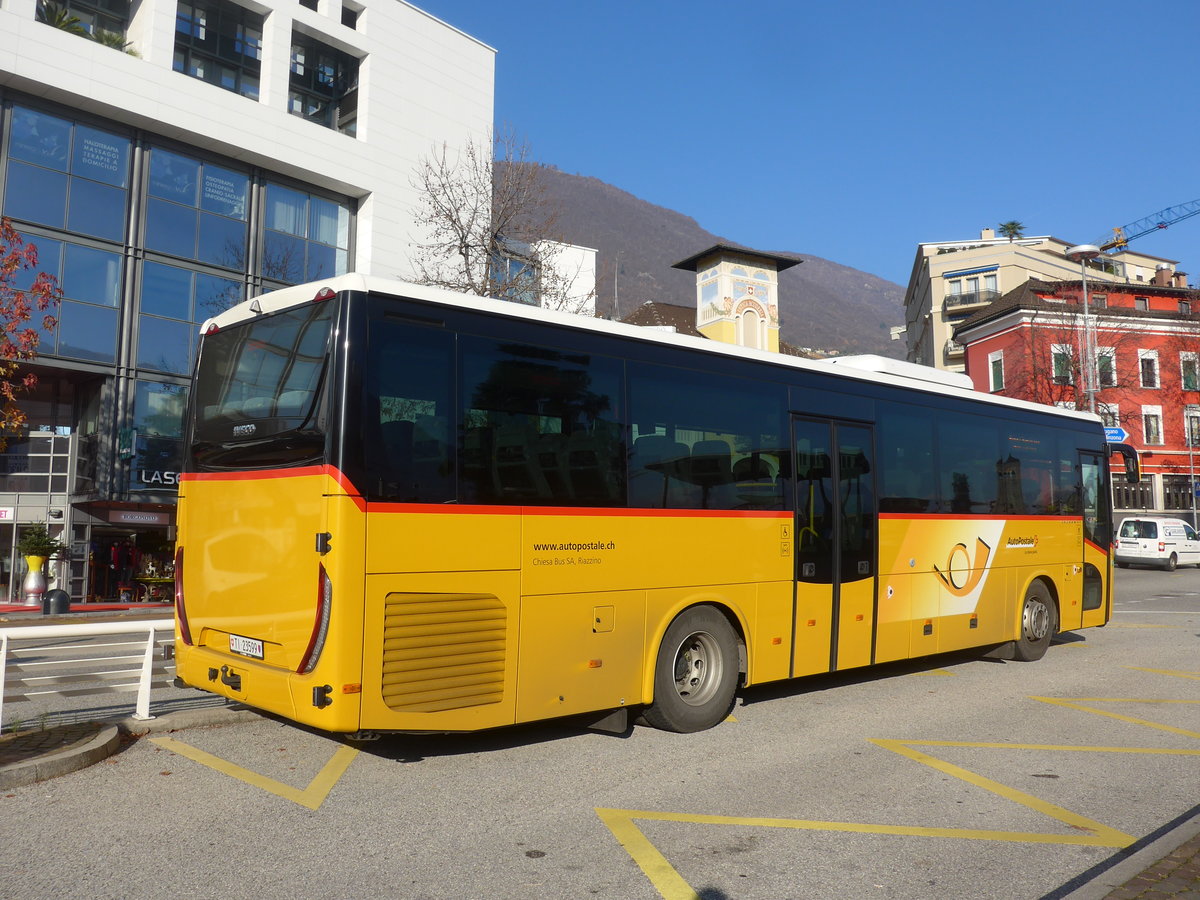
[(36, 545)]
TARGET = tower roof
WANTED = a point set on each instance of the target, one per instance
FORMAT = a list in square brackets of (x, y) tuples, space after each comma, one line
[(692, 263)]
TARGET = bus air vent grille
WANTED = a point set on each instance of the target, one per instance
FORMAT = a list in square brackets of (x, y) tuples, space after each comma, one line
[(443, 651)]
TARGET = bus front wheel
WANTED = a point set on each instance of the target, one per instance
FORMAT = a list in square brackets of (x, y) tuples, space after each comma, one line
[(695, 675), (1039, 622)]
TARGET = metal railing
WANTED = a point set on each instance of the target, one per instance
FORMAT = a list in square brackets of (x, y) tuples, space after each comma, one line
[(970, 298), (61, 664)]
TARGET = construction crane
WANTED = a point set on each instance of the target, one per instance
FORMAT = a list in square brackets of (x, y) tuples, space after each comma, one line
[(1160, 220)]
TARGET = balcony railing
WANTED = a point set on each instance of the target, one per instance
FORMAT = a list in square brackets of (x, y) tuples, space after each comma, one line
[(953, 348), (972, 298)]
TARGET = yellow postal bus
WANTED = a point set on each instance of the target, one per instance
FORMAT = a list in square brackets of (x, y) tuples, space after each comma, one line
[(409, 510)]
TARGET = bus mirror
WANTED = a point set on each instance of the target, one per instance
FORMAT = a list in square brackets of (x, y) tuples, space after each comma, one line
[(1133, 463)]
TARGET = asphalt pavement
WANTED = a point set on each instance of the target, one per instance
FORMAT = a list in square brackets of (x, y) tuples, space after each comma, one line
[(1164, 864)]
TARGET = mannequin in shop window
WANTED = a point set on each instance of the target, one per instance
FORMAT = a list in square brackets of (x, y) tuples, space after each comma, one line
[(125, 558)]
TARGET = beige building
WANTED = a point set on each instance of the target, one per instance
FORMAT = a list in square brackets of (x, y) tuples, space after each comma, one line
[(951, 280)]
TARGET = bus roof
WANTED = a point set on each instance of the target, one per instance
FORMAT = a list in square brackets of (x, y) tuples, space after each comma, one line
[(874, 369)]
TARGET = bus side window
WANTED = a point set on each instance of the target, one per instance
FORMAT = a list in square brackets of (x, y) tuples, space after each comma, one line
[(906, 460), (407, 405), (692, 433)]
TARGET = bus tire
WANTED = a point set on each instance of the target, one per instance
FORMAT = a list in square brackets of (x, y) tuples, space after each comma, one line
[(1172, 563), (1039, 623), (696, 672)]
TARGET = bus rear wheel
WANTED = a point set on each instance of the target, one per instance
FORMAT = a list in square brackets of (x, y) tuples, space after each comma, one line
[(695, 675), (1039, 623)]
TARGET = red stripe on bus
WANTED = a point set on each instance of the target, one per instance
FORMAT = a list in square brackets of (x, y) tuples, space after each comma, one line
[(479, 509), (600, 511), (1096, 546)]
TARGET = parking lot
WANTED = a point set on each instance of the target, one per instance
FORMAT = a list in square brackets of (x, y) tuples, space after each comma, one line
[(950, 777)]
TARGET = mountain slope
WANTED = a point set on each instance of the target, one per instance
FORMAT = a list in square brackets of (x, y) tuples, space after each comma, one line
[(823, 304)]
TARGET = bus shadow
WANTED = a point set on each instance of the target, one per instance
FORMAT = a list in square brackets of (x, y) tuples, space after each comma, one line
[(414, 748), (882, 671)]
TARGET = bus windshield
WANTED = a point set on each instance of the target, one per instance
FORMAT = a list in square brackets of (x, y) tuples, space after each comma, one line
[(258, 391)]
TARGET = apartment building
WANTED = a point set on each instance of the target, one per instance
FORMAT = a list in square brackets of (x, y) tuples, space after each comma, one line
[(952, 280), (169, 158), (1134, 358)]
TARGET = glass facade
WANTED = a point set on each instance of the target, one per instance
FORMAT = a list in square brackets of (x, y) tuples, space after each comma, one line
[(147, 240)]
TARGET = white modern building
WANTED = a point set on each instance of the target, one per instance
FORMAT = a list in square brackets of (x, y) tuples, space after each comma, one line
[(169, 158)]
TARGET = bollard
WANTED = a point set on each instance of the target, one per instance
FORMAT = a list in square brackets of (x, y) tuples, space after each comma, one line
[(55, 603)]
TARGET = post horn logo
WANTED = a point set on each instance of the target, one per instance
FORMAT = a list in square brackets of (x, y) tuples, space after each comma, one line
[(963, 576)]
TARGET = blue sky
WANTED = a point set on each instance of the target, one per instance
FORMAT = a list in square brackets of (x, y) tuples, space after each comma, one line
[(855, 130)]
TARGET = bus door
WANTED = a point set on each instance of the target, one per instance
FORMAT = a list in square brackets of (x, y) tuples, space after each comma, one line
[(835, 545), (1097, 538)]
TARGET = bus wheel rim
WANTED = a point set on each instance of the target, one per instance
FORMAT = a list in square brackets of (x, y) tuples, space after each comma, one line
[(698, 668), (1036, 620)]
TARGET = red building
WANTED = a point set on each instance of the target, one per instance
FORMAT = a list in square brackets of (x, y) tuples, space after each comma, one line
[(1144, 374)]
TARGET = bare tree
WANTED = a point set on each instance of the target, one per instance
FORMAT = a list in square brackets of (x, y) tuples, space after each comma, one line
[(1047, 365), (490, 228)]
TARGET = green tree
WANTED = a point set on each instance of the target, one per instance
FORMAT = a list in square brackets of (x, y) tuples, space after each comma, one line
[(1011, 230), (18, 338)]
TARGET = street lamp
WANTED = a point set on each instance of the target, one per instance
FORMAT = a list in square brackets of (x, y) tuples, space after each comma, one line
[(1081, 253)]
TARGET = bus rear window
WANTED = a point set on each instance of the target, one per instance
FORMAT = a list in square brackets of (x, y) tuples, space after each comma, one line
[(262, 379)]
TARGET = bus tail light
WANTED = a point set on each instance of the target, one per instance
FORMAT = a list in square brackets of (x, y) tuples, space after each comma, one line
[(185, 632), (316, 643)]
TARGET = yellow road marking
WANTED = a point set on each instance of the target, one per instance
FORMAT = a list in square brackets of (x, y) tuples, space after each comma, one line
[(1089, 833), (311, 797), (1175, 672), (1077, 703)]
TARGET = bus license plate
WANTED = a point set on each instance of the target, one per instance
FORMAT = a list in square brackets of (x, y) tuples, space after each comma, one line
[(245, 646)]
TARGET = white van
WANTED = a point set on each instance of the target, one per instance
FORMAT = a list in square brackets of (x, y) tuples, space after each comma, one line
[(1152, 541)]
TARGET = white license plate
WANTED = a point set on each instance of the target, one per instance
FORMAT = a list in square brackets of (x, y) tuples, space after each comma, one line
[(245, 646)]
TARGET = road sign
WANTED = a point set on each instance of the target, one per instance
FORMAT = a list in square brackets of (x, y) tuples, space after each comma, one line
[(1116, 435)]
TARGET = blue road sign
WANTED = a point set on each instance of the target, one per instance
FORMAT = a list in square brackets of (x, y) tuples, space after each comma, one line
[(1116, 435)]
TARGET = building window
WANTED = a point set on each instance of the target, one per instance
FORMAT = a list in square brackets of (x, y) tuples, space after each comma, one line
[(67, 175), (1185, 307), (99, 18), (1062, 360), (1099, 301), (1148, 368), (90, 278), (989, 285), (323, 86), (996, 370), (1152, 425), (516, 277), (1189, 372), (1191, 426), (1142, 303), (173, 302), (197, 210), (307, 237), (1110, 414), (221, 43), (1106, 366), (1134, 496)]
